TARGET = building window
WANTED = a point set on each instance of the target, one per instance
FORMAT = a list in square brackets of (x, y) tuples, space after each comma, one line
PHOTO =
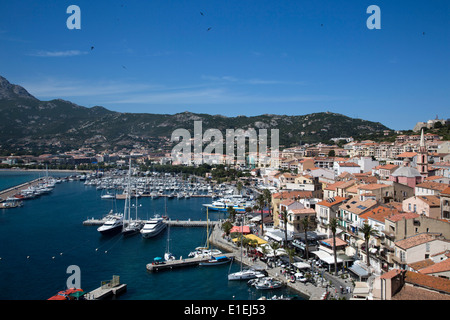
[(402, 256), (409, 206)]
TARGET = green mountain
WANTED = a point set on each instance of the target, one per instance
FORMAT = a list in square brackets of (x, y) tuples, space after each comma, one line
[(30, 125)]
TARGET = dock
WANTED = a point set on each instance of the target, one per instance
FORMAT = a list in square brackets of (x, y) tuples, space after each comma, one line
[(181, 263), (172, 223), (108, 289), (10, 192)]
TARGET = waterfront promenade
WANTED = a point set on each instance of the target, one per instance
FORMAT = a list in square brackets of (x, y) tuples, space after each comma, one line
[(307, 290)]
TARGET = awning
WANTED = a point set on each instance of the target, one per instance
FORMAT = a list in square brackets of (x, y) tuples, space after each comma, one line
[(301, 265), (326, 257), (244, 229), (253, 237), (269, 250), (278, 235), (361, 289), (358, 270)]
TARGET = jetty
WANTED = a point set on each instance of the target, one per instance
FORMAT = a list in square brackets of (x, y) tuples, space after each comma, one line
[(10, 192), (180, 263), (108, 289), (172, 223)]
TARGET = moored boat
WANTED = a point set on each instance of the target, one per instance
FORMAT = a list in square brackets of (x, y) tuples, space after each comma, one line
[(112, 225), (214, 261), (266, 283), (153, 227)]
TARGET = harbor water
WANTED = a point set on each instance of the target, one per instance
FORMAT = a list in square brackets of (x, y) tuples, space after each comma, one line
[(41, 239)]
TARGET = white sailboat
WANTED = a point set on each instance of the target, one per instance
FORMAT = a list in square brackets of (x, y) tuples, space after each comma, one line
[(130, 227), (168, 256), (214, 259), (204, 251)]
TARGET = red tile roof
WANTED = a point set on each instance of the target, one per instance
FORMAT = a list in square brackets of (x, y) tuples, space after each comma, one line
[(431, 282), (326, 203)]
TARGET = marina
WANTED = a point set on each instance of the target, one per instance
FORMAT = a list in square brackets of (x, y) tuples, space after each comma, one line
[(57, 236), (189, 217)]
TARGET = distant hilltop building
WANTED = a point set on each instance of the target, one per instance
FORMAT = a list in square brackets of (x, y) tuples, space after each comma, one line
[(429, 124)]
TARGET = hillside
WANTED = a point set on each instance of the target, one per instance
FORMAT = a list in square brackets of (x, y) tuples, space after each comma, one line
[(30, 125)]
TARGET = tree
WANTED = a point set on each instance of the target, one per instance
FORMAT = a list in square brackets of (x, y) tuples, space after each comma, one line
[(274, 246), (305, 224), (260, 200), (226, 226), (291, 254), (333, 226), (239, 187), (284, 216), (368, 232), (231, 213), (268, 197)]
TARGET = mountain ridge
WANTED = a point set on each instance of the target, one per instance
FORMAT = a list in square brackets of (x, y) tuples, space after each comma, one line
[(31, 124)]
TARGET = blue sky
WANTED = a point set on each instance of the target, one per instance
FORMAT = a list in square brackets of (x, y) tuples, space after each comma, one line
[(280, 57)]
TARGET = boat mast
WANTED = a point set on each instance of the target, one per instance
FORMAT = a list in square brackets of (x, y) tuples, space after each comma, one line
[(126, 211), (207, 229)]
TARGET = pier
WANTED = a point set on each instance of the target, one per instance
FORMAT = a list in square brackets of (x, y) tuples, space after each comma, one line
[(172, 223), (10, 192), (190, 262), (108, 289)]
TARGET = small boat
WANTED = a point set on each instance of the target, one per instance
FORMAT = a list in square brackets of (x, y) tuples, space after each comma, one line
[(203, 252), (108, 196), (153, 227), (266, 283), (214, 261), (281, 297), (246, 275), (69, 294)]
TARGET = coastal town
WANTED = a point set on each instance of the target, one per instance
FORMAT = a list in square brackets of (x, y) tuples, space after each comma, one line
[(358, 220)]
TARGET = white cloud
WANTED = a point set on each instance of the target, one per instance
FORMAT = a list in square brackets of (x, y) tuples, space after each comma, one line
[(108, 93), (67, 53), (254, 81)]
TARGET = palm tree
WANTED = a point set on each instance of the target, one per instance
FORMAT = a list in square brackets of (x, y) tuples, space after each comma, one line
[(368, 231), (284, 216), (268, 198), (232, 213), (333, 225), (274, 246), (305, 224), (291, 254), (239, 187), (260, 200)]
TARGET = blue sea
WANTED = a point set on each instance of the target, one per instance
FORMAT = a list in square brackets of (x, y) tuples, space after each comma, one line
[(41, 239)]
